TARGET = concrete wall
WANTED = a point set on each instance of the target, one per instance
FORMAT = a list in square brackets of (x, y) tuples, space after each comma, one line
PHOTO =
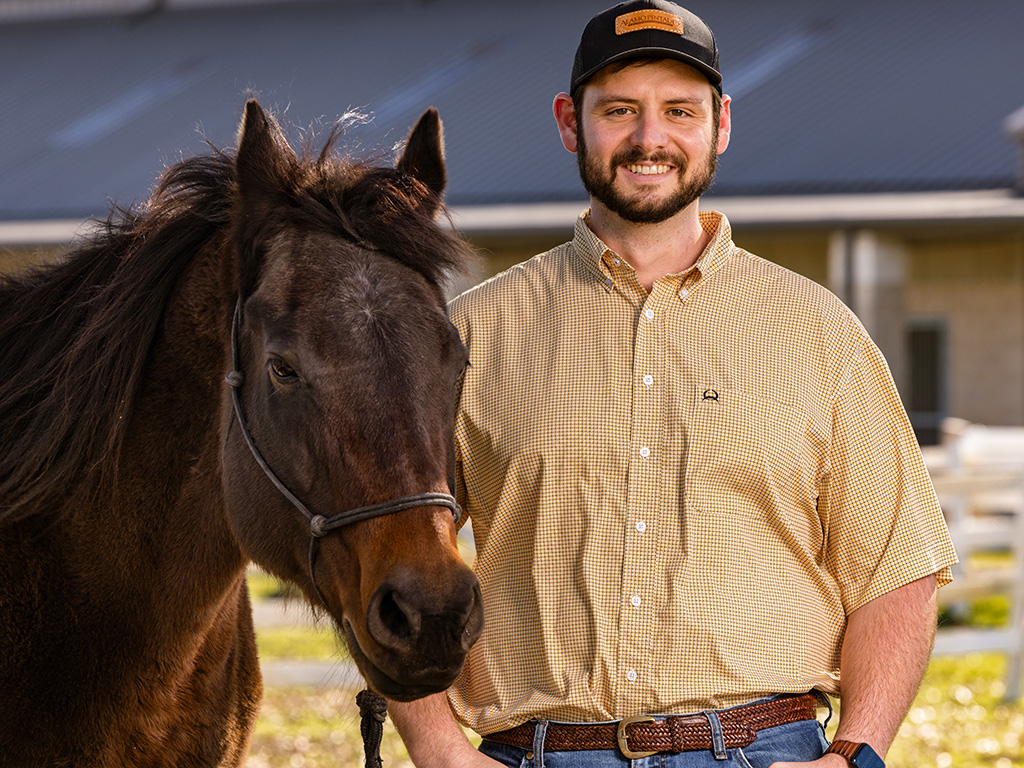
[(976, 283), (14, 259)]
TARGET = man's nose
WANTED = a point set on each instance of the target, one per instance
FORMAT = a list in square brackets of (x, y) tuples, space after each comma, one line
[(649, 132)]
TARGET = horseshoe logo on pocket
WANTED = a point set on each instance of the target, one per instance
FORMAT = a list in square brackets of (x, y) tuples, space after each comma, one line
[(710, 394)]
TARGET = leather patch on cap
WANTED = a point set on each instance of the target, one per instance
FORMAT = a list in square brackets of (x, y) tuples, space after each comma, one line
[(650, 19)]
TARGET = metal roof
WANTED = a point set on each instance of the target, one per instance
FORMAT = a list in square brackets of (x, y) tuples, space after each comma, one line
[(829, 96)]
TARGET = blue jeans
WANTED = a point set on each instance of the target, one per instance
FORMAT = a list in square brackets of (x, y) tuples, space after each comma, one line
[(801, 741)]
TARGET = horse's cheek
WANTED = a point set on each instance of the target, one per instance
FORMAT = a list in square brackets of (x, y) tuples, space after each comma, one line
[(247, 497)]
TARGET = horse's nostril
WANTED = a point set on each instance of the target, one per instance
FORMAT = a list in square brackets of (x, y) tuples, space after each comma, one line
[(411, 611), (399, 621)]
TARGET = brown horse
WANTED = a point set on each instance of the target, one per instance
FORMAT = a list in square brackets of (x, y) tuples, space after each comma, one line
[(130, 503)]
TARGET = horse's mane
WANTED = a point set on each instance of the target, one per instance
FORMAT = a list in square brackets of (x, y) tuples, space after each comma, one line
[(75, 335)]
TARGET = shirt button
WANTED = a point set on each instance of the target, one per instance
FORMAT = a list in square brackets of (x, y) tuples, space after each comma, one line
[(635, 601), (641, 526), (616, 262), (631, 676), (683, 293), (645, 452), (649, 314), (608, 282), (648, 380)]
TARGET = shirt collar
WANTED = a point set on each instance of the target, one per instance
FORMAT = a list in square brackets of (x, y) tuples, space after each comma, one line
[(719, 249)]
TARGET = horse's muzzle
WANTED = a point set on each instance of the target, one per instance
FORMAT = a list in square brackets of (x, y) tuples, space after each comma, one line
[(422, 635)]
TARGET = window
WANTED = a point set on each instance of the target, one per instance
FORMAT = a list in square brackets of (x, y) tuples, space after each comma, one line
[(926, 401)]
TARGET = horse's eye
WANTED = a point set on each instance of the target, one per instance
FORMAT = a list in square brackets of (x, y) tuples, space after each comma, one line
[(283, 372)]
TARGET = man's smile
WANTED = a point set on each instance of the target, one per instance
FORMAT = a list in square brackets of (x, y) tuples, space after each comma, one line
[(648, 170)]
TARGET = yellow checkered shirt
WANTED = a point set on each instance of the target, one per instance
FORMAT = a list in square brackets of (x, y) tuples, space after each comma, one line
[(677, 497)]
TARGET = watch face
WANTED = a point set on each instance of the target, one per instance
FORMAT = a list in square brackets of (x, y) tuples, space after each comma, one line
[(866, 757)]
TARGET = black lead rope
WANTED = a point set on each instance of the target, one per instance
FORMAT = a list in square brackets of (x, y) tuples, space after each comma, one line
[(373, 707), (373, 711)]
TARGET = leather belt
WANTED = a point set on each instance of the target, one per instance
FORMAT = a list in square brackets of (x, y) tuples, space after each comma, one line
[(642, 735)]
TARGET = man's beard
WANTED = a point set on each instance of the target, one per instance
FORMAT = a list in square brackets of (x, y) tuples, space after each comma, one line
[(600, 182)]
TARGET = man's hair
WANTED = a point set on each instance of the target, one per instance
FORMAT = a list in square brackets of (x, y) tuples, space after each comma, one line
[(577, 93)]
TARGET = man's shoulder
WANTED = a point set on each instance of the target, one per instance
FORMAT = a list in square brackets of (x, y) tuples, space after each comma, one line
[(804, 306), (528, 280), (800, 288)]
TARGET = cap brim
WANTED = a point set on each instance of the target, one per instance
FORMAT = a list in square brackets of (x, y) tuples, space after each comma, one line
[(715, 78)]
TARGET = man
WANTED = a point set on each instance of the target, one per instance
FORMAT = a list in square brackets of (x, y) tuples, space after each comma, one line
[(695, 493)]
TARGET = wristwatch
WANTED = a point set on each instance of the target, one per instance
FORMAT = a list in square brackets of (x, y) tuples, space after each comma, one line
[(856, 754)]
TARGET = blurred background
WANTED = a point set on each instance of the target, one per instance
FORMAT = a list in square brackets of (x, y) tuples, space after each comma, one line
[(877, 145), (877, 148)]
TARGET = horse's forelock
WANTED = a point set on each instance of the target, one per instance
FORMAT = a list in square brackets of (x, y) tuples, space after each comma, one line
[(396, 213), (374, 206)]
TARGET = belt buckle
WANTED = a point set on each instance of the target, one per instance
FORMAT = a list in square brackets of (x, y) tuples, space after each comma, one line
[(620, 735)]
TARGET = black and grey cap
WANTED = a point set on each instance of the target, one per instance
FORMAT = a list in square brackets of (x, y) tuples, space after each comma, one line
[(646, 29)]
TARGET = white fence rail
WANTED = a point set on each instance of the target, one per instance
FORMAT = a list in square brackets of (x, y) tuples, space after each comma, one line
[(978, 474)]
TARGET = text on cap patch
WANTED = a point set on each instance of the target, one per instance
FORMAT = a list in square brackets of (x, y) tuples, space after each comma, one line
[(649, 19)]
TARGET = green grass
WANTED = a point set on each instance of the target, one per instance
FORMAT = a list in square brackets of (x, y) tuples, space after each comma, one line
[(959, 718), (299, 643), (316, 728), (263, 586)]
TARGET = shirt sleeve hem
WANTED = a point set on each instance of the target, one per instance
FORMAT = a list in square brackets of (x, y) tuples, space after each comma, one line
[(883, 583)]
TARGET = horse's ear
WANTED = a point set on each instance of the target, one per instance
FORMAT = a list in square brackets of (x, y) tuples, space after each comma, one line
[(423, 158), (261, 158), (262, 165)]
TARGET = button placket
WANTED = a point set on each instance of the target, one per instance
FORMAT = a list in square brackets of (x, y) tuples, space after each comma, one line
[(640, 550)]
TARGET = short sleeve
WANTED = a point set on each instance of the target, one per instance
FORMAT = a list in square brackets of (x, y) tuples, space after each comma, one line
[(884, 526)]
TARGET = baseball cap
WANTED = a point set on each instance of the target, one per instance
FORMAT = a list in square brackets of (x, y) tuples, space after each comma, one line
[(646, 29)]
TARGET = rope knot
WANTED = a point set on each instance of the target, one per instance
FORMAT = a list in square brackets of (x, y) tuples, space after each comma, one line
[(316, 525), (372, 704), (235, 379)]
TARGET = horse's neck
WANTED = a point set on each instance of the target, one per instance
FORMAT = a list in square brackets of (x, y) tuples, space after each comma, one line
[(165, 503)]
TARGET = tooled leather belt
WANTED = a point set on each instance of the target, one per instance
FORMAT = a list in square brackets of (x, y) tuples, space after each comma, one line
[(643, 735)]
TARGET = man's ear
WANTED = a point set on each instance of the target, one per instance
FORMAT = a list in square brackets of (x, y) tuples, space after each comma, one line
[(565, 117), (724, 124)]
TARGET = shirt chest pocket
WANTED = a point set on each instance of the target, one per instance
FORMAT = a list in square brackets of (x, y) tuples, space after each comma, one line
[(743, 450)]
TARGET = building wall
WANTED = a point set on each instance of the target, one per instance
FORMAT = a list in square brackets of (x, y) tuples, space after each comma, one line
[(498, 253), (14, 259), (970, 283), (803, 252), (976, 284)]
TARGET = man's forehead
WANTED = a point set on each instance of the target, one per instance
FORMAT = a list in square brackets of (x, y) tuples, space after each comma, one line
[(685, 81)]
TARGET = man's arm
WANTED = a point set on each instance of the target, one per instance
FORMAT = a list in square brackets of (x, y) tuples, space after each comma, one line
[(432, 737), (885, 654)]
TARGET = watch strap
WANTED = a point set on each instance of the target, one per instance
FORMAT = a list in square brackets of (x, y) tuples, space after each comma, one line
[(847, 749), (857, 754)]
